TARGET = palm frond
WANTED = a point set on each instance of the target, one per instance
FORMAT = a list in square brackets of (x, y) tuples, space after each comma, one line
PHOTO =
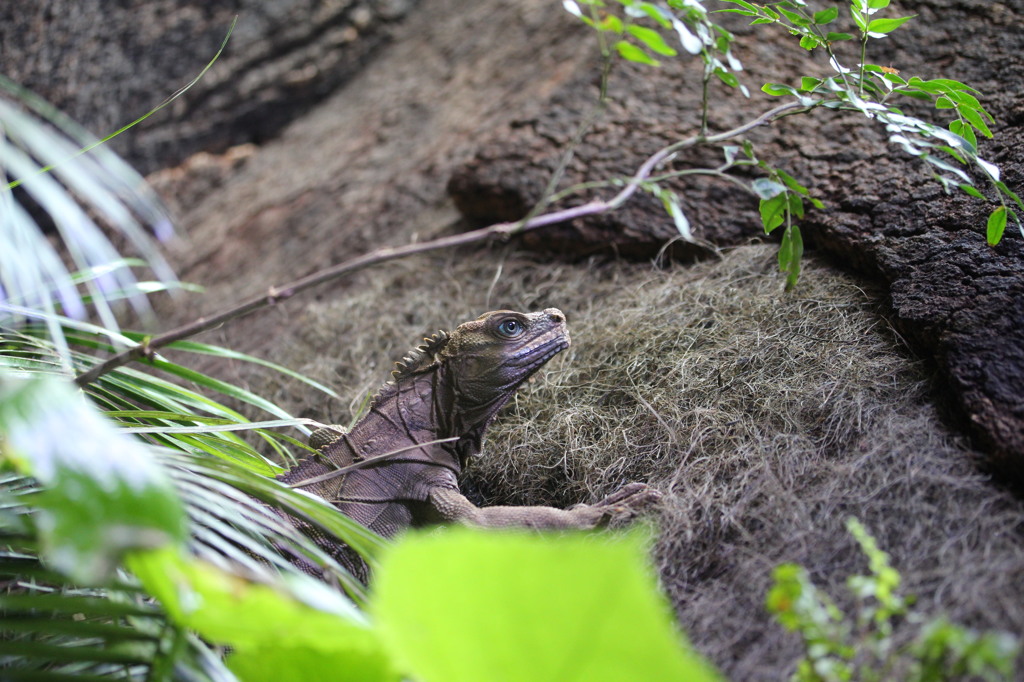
[(237, 517), (83, 194)]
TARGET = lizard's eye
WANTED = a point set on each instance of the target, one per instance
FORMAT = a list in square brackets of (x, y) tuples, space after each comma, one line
[(511, 328)]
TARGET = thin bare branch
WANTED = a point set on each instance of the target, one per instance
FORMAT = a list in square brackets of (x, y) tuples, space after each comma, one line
[(382, 255)]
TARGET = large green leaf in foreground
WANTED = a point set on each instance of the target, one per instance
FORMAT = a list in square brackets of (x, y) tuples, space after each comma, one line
[(465, 606), (302, 630)]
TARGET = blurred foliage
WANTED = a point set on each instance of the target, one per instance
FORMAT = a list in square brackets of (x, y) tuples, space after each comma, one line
[(864, 646)]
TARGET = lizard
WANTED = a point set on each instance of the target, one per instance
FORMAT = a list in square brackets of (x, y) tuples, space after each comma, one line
[(399, 465)]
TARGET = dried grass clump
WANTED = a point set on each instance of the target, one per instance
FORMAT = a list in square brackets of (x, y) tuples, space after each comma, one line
[(767, 418)]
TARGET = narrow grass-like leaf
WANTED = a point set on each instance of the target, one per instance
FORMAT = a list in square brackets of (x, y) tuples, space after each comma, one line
[(969, 189), (791, 251), (219, 386), (306, 507), (222, 446), (113, 193), (56, 653), (217, 351), (220, 428)]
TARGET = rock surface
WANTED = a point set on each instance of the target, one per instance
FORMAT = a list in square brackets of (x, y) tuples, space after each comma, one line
[(954, 297), (106, 64)]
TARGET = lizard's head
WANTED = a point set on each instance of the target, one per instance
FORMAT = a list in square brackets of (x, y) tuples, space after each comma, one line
[(499, 350), (487, 359), (468, 374)]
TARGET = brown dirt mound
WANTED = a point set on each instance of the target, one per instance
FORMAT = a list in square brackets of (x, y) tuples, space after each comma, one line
[(767, 418)]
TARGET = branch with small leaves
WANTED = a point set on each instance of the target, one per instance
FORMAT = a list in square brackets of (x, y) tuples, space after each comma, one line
[(950, 152)]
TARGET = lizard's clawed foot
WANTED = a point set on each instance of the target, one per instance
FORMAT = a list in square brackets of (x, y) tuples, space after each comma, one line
[(625, 503)]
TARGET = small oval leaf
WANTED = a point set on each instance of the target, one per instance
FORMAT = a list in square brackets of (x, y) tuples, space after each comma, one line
[(631, 52), (996, 225)]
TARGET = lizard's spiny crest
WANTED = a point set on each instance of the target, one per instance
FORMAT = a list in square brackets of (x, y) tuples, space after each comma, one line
[(420, 357)]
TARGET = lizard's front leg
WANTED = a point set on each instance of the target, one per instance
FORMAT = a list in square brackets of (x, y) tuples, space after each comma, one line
[(452, 506)]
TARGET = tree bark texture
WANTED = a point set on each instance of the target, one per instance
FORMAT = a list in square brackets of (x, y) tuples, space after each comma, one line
[(107, 63), (953, 297)]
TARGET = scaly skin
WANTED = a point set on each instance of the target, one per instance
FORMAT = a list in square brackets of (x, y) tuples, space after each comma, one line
[(449, 389)]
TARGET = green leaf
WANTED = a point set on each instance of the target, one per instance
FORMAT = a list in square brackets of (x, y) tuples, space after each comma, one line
[(611, 23), (947, 84), (528, 608), (221, 387), (975, 119), (809, 42), (632, 53), (971, 190), (858, 18), (728, 78), (1002, 187), (220, 352), (656, 13), (773, 212), (103, 493), (651, 39), (745, 5), (826, 16), (797, 19), (808, 84), (778, 89), (790, 252), (796, 205), (733, 10), (835, 37), (965, 131), (308, 632), (966, 99), (879, 27), (791, 182), (996, 225), (788, 586)]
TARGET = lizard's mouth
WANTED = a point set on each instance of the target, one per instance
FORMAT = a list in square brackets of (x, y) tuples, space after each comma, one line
[(540, 350)]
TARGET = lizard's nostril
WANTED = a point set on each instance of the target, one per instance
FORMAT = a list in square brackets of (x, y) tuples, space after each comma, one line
[(555, 314)]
